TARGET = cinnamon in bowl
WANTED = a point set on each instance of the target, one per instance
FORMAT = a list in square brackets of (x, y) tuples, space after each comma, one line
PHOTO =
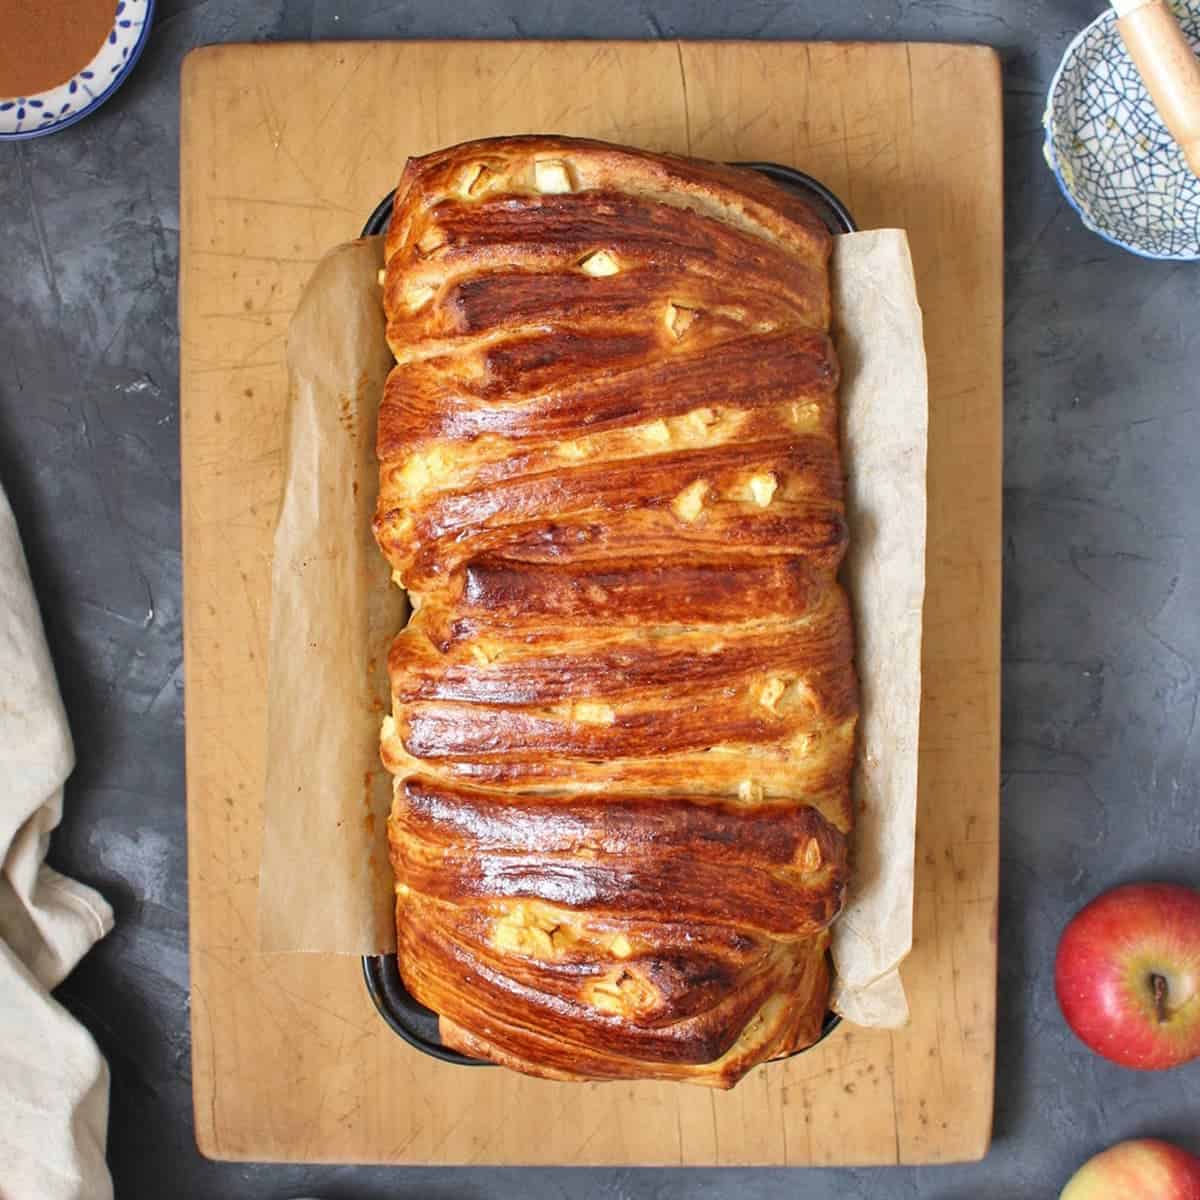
[(44, 45)]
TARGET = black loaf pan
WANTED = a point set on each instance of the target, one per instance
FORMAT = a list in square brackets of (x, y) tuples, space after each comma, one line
[(415, 1023)]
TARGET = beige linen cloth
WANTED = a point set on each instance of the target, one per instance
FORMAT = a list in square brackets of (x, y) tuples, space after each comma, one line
[(53, 1081)]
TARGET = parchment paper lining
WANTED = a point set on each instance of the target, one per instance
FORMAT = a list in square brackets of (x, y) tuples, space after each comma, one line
[(324, 884)]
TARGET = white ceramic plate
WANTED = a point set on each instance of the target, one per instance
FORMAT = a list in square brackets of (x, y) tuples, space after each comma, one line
[(50, 111)]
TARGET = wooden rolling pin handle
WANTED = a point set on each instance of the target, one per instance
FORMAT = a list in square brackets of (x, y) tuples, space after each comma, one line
[(1170, 71)]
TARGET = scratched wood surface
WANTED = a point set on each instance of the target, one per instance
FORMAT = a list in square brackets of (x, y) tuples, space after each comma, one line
[(289, 1059)]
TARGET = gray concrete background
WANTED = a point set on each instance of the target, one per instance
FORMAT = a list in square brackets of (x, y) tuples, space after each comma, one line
[(1102, 584)]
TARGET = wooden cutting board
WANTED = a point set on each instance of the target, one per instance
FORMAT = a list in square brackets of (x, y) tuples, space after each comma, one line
[(286, 149)]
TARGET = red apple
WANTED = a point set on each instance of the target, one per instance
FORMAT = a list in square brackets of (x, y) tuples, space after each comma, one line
[(1128, 975), (1139, 1170)]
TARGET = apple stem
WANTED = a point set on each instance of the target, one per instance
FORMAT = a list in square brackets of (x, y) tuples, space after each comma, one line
[(1159, 986)]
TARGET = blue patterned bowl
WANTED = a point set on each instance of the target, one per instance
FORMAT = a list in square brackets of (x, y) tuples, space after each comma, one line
[(1110, 152), (50, 111)]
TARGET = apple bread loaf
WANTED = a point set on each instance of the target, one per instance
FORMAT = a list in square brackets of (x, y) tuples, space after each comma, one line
[(624, 707)]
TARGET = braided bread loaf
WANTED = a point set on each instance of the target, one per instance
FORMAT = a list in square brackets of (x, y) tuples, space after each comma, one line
[(624, 708)]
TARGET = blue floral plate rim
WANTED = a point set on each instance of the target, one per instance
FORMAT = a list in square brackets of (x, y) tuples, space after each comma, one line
[(1109, 16), (123, 25)]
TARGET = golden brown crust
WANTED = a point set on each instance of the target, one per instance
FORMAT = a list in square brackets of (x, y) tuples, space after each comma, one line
[(624, 709)]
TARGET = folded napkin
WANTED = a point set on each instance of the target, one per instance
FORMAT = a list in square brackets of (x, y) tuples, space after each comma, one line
[(53, 1081)]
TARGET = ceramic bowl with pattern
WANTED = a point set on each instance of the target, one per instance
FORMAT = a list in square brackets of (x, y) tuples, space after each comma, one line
[(84, 92), (1110, 151)]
